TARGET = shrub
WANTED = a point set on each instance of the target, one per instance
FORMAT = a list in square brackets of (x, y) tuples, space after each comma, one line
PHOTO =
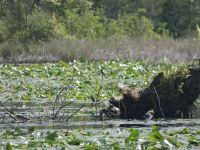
[(3, 31), (85, 25), (39, 27), (132, 25), (10, 49)]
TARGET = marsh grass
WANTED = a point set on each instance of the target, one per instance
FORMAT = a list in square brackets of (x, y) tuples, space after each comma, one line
[(155, 50)]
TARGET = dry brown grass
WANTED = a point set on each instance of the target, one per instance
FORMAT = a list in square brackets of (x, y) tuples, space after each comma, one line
[(112, 48)]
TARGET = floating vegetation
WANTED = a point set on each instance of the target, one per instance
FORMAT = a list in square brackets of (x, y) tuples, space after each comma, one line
[(115, 138), (32, 91)]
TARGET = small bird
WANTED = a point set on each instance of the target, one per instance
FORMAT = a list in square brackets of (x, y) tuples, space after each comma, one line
[(149, 115)]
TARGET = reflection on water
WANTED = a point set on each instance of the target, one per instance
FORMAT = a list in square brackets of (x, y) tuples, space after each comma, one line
[(38, 112)]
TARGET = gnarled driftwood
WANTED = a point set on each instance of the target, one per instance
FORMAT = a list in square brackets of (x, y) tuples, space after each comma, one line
[(169, 99)]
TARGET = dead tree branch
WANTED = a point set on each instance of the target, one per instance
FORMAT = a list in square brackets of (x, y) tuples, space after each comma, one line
[(13, 115), (83, 105), (96, 100), (158, 102)]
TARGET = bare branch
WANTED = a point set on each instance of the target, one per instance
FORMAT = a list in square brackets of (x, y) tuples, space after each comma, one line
[(83, 105), (159, 102), (10, 111)]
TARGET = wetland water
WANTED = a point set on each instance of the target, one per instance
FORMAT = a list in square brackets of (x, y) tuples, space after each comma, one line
[(30, 89), (84, 127)]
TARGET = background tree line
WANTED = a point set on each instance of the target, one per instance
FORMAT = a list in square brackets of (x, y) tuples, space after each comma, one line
[(30, 21)]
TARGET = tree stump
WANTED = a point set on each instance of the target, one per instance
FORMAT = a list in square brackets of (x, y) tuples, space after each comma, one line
[(167, 97)]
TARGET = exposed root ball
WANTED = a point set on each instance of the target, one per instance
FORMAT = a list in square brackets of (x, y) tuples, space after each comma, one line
[(168, 96), (128, 93)]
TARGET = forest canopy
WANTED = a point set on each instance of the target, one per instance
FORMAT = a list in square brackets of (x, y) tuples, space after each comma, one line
[(31, 21)]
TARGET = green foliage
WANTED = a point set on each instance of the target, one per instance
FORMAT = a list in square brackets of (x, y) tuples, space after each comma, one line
[(43, 81), (52, 136), (113, 8), (183, 131), (181, 16), (92, 19), (15, 16), (3, 31), (32, 129), (144, 138), (155, 128), (47, 78), (39, 26), (132, 25), (59, 30), (193, 140), (31, 21), (91, 146), (134, 136), (116, 146), (24, 22), (156, 136), (74, 141), (174, 142), (198, 31), (8, 147), (174, 78), (85, 25)]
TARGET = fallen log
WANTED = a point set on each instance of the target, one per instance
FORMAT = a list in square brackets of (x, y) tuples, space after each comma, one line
[(171, 96)]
